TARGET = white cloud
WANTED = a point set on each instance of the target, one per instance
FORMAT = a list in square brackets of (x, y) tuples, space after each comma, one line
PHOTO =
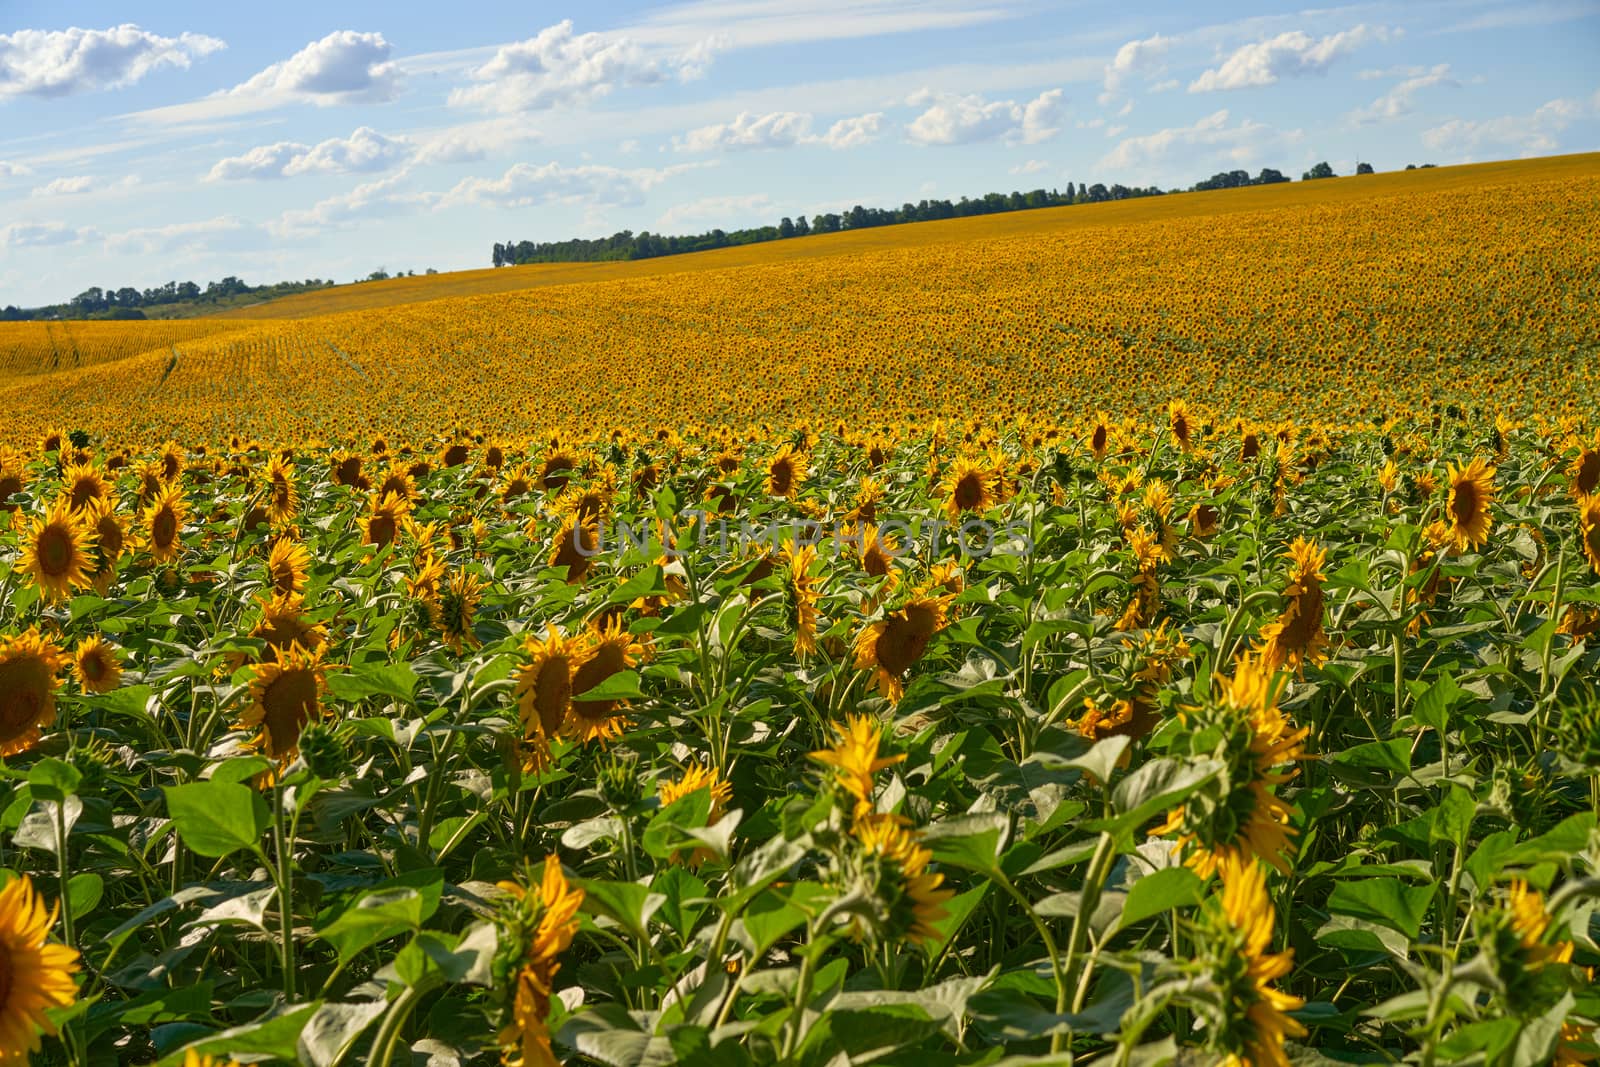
[(375, 199), (1143, 57), (40, 234), (1209, 137), (952, 119), (526, 184), (473, 141), (558, 67), (13, 170), (854, 132), (224, 230), (344, 67), (721, 212), (1032, 166), (363, 152), (777, 129), (1288, 55), (1532, 134), (54, 63), (82, 183), (1400, 100)]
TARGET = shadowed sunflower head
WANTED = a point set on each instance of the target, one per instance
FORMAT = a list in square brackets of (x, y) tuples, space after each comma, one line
[(55, 552), (97, 663), (285, 695), (37, 974), (1468, 505), (29, 663)]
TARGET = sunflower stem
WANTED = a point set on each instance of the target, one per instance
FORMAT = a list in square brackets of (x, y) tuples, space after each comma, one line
[(284, 878)]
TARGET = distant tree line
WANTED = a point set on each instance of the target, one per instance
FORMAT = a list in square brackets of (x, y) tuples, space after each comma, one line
[(625, 244), (129, 303)]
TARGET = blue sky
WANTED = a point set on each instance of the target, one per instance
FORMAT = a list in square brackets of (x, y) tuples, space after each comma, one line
[(146, 142)]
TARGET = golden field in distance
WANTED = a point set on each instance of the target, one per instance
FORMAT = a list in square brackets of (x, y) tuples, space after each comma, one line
[(1344, 299)]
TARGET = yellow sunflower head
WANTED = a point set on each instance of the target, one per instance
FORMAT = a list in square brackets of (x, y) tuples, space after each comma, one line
[(84, 485), (608, 652), (37, 974), (1468, 506), (891, 645), (285, 695), (29, 664), (163, 522), (55, 552), (97, 664), (287, 565)]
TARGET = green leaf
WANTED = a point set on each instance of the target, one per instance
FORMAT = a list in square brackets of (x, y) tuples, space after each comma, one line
[(84, 892), (1155, 787), (396, 681), (273, 1038), (217, 818), (333, 1030), (971, 842), (623, 685), (1569, 837), (1387, 901), (377, 916), (240, 769), (53, 779), (1433, 707), (1161, 891), (627, 903)]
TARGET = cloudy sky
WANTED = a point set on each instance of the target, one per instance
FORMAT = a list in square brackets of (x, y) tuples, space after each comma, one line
[(143, 142)]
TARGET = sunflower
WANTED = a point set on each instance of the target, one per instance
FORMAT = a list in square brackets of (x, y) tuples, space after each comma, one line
[(191, 1058), (517, 482), (84, 485), (540, 925), (785, 471), (388, 510), (1248, 1020), (800, 597), (893, 867), (55, 553), (575, 546), (283, 499), (892, 644), (458, 606), (588, 505), (1237, 816), (608, 651), (946, 576), (29, 664), (868, 495), (1099, 439), (1585, 472), (98, 665), (1531, 923), (171, 461), (287, 565), (397, 481), (35, 975), (107, 537), (695, 778), (1296, 637), (1468, 505), (555, 471), (163, 522), (285, 695), (13, 477), (346, 470), (1203, 520), (544, 685), (968, 487), (854, 758), (1589, 530), (878, 553), (1180, 421)]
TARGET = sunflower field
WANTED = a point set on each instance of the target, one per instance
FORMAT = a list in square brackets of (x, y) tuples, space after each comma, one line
[(967, 712)]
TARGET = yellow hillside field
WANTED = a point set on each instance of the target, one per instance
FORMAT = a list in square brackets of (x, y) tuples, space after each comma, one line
[(1345, 299)]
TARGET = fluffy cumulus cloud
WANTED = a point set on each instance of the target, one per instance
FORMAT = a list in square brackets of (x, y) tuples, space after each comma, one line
[(526, 184), (1213, 136), (1293, 54), (223, 231), (60, 62), (344, 67), (779, 129), (83, 183), (473, 141), (954, 119), (558, 67), (1400, 101), (41, 234), (1531, 135), (363, 152), (1142, 58), (383, 198)]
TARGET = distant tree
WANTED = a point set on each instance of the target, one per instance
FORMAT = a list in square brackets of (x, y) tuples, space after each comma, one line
[(378, 275), (1268, 176), (499, 254), (1363, 168), (430, 270), (802, 228), (786, 227), (1321, 170), (188, 291)]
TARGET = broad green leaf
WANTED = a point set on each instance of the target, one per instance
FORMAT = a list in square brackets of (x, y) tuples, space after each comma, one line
[(216, 818), (1161, 891)]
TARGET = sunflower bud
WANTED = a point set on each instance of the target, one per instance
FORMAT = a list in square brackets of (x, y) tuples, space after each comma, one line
[(325, 751), (618, 785)]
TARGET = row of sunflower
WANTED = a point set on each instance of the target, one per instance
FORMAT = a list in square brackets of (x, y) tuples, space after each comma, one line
[(1152, 737)]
